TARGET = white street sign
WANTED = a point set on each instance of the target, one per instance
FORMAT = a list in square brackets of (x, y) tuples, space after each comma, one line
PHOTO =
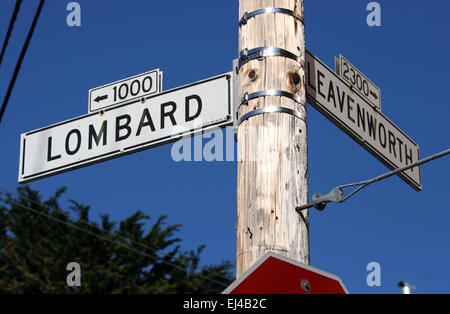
[(359, 82), (123, 129), (333, 97), (125, 90)]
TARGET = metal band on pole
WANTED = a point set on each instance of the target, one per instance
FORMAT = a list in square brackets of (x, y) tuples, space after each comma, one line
[(259, 111), (248, 15), (262, 52), (245, 99)]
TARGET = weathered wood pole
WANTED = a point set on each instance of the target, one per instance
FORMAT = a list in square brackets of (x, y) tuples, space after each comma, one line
[(272, 147)]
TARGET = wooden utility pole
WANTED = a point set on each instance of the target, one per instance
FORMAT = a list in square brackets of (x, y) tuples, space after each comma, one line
[(272, 147)]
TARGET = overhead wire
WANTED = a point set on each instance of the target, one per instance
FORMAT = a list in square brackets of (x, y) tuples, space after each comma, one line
[(10, 28), (20, 60), (366, 183), (72, 225), (337, 195)]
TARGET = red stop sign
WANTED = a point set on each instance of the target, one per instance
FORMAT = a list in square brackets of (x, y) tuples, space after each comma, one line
[(276, 274)]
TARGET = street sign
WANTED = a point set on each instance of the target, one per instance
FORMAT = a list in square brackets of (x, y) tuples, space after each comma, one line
[(125, 90), (334, 98), (276, 274), (124, 129), (359, 82)]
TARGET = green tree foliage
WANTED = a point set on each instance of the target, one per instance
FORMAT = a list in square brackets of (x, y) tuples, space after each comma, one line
[(114, 258)]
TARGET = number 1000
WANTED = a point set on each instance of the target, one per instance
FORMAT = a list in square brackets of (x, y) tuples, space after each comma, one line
[(133, 89)]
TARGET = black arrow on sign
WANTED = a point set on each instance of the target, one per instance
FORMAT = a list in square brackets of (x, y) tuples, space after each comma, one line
[(100, 98), (371, 92)]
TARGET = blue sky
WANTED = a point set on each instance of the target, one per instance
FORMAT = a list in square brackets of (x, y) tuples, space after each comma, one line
[(405, 231)]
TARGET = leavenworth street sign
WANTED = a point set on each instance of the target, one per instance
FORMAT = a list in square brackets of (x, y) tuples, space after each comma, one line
[(334, 98), (123, 129)]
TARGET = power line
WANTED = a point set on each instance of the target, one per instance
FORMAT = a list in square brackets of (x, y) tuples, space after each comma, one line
[(21, 57), (72, 225), (10, 28), (155, 250)]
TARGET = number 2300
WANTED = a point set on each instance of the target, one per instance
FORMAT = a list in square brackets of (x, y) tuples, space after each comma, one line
[(355, 78)]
